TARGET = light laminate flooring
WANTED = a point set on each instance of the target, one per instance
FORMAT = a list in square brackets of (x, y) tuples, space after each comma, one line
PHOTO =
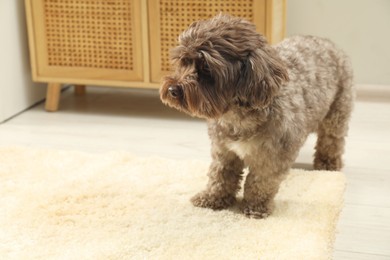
[(109, 119)]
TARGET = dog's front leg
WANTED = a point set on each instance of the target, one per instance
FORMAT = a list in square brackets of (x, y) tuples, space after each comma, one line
[(260, 188), (224, 174)]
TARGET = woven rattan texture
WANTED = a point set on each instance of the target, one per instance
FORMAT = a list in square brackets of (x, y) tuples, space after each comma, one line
[(176, 15), (89, 33)]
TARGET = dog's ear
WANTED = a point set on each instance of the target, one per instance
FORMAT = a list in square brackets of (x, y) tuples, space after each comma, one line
[(262, 74)]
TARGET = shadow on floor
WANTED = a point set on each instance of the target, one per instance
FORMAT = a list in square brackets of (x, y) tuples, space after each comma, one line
[(143, 103), (304, 166)]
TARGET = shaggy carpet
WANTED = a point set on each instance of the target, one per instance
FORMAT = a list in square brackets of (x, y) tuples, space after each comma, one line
[(72, 205)]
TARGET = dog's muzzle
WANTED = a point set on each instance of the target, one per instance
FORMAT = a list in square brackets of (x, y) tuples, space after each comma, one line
[(175, 91)]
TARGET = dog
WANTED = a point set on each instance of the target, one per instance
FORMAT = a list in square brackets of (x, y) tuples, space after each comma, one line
[(260, 102)]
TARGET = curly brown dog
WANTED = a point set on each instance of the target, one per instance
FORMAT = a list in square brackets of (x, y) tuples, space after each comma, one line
[(261, 102)]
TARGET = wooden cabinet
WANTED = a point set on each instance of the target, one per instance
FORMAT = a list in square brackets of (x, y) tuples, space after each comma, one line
[(123, 43)]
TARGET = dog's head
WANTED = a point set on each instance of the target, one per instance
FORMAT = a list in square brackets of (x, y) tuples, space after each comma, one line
[(219, 63)]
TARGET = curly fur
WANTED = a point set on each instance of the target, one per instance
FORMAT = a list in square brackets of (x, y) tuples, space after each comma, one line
[(261, 102)]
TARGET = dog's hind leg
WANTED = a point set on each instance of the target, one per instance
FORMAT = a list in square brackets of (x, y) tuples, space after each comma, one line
[(333, 129), (225, 174)]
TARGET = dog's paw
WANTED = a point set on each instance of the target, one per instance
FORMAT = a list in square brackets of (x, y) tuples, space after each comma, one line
[(207, 200), (257, 211)]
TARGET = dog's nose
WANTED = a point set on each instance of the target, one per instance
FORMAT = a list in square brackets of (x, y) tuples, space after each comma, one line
[(175, 91)]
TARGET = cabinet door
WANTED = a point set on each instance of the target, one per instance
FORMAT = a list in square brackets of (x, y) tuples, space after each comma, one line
[(168, 18), (89, 41)]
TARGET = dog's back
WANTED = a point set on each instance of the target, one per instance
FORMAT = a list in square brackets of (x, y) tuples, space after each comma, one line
[(319, 72)]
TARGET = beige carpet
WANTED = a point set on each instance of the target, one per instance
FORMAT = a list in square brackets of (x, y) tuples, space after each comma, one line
[(71, 205)]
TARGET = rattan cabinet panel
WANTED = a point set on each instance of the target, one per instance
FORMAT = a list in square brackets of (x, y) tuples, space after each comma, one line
[(170, 17), (86, 40)]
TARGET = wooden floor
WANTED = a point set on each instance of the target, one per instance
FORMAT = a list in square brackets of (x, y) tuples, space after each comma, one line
[(133, 120)]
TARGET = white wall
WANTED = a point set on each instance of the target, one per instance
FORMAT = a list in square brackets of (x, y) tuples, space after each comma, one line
[(17, 91), (360, 27)]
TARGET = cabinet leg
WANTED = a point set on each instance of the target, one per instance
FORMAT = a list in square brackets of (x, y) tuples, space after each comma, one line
[(53, 97), (79, 90)]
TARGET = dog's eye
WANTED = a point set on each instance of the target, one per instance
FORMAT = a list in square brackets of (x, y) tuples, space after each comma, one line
[(204, 68)]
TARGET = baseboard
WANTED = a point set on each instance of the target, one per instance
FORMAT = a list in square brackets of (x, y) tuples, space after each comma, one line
[(367, 92)]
